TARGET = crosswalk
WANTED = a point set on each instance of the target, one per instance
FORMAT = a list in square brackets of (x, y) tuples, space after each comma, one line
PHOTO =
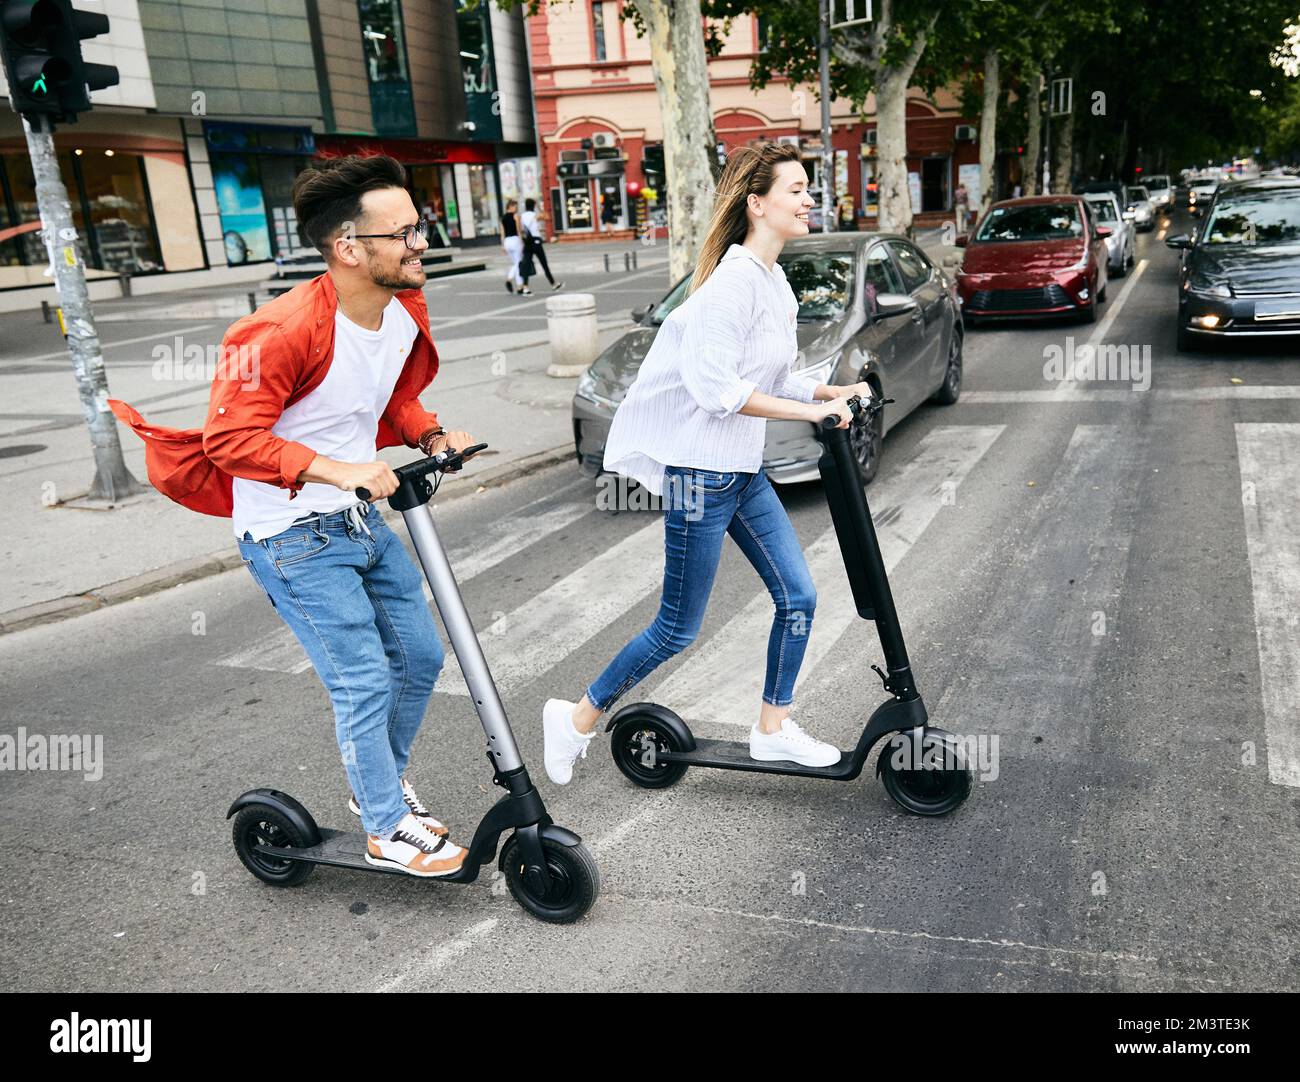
[(719, 680)]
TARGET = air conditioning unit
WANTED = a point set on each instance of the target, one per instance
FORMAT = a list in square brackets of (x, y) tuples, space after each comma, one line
[(872, 137), (603, 139), (966, 133)]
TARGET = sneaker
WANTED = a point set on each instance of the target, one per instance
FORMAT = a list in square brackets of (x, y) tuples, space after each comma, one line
[(563, 745), (557, 285), (525, 292), (413, 849), (414, 803), (791, 743), (510, 286)]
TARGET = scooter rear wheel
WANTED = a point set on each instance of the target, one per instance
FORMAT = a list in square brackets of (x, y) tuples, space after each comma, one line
[(260, 824), (575, 881), (638, 745), (935, 785)]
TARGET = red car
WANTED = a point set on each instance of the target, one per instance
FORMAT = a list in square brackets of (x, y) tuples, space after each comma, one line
[(1040, 256)]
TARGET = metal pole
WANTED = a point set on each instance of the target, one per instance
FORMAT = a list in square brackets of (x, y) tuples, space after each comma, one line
[(828, 153), (112, 479), (1047, 139)]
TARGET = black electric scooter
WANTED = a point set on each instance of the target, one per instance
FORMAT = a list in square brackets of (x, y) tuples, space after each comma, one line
[(924, 769), (547, 868)]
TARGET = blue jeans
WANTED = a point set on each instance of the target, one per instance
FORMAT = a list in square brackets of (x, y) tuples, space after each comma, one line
[(356, 604), (700, 507)]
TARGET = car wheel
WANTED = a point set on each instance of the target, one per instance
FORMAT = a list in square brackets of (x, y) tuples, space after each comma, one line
[(1101, 293), (1120, 271), (950, 389)]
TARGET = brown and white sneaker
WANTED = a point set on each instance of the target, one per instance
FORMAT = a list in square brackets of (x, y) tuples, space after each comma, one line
[(414, 849), (417, 809)]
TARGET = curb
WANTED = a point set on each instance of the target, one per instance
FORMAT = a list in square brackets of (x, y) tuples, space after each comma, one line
[(200, 567)]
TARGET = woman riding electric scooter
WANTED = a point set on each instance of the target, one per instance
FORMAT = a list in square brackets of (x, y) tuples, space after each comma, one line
[(692, 430)]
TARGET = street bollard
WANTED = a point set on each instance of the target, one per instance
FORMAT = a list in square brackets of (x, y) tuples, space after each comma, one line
[(571, 320), (252, 303), (627, 262), (634, 259), (606, 262), (45, 312)]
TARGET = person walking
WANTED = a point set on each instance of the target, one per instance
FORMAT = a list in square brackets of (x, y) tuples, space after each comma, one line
[(513, 243), (341, 362), (692, 428), (533, 240)]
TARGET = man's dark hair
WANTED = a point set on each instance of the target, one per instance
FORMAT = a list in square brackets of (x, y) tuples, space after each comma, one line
[(328, 193), (530, 203)]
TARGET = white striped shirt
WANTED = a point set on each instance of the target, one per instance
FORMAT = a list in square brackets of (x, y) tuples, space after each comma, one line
[(732, 336)]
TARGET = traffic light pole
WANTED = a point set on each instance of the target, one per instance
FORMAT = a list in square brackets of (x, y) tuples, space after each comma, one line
[(113, 480), (824, 78)]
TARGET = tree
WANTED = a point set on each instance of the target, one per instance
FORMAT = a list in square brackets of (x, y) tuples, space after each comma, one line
[(677, 56)]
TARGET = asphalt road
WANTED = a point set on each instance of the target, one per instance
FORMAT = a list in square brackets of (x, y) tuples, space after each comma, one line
[(1099, 576)]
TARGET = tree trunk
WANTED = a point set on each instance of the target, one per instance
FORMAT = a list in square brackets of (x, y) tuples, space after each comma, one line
[(1034, 135), (989, 132), (1063, 168), (675, 30), (891, 152)]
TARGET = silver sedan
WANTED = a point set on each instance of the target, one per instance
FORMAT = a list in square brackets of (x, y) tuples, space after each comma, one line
[(872, 307)]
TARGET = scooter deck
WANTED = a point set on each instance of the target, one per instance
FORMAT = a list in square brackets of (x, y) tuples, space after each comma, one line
[(344, 849), (734, 755)]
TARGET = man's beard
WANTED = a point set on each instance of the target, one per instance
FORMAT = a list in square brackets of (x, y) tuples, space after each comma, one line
[(394, 281)]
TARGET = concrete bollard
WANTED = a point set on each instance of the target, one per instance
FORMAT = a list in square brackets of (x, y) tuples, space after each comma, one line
[(571, 321)]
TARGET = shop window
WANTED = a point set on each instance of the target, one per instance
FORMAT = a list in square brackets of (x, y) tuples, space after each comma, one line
[(598, 27), (383, 40)]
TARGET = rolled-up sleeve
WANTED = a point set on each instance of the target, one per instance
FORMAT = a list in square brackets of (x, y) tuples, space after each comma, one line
[(714, 340), (798, 387)]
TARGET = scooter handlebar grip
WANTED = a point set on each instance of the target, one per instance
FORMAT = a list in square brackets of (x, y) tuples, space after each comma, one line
[(363, 494)]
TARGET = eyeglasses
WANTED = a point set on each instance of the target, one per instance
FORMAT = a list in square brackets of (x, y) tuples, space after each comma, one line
[(408, 234)]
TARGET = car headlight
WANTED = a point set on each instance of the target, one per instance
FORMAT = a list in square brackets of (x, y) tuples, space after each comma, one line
[(822, 370), (1203, 286), (586, 386)]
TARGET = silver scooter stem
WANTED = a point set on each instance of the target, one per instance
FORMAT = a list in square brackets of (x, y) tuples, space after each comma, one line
[(460, 629)]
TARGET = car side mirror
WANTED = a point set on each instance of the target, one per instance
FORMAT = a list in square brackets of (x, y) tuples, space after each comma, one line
[(1103, 232), (1180, 240), (893, 304), (962, 240), (640, 315)]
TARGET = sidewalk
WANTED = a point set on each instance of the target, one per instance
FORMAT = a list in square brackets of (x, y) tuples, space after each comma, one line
[(66, 560)]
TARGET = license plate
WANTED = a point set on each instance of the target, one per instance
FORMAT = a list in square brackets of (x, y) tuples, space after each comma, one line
[(1280, 309)]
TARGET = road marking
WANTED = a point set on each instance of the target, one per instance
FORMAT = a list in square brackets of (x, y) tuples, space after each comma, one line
[(63, 353), (441, 955), (1268, 456), (524, 643), (279, 651), (1069, 388), (1113, 394), (723, 679)]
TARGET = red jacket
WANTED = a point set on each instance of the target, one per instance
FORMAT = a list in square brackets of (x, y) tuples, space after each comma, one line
[(287, 346)]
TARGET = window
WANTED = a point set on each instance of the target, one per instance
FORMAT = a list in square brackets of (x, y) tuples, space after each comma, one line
[(1034, 221), (383, 42), (598, 26), (763, 32), (821, 281), (881, 278), (914, 267)]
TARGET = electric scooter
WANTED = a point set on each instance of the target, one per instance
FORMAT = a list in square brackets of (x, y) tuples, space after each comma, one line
[(547, 868), (924, 769)]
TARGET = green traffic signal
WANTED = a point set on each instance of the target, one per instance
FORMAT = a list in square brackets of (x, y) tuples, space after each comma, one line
[(39, 84)]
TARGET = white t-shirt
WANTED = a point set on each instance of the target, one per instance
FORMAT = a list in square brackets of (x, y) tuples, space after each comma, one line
[(529, 220), (338, 419)]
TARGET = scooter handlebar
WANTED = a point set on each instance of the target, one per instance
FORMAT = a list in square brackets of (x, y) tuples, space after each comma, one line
[(442, 462), (862, 412)]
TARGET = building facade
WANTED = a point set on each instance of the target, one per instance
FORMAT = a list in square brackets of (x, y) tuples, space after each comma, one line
[(600, 127), (186, 167)]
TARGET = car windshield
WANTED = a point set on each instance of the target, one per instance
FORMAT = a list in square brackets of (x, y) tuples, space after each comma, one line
[(1266, 218), (1138, 195), (1104, 209), (822, 283), (1037, 221), (1157, 184)]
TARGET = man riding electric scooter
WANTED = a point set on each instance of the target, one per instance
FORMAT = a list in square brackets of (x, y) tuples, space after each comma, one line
[(310, 386)]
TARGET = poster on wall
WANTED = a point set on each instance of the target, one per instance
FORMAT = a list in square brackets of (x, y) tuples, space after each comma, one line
[(841, 172), (914, 189), (509, 173), (968, 177)]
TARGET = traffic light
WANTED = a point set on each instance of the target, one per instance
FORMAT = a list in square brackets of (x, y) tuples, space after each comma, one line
[(40, 43)]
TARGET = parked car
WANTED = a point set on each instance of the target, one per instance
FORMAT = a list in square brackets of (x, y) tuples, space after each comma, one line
[(872, 307), (1116, 188), (1144, 210), (1161, 191), (1044, 255), (1240, 273), (1121, 244)]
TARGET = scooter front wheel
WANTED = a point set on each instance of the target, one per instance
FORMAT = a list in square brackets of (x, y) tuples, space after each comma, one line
[(929, 776), (260, 824), (575, 881), (638, 744)]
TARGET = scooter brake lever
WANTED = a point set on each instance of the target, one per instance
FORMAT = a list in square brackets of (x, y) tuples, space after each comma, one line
[(883, 678)]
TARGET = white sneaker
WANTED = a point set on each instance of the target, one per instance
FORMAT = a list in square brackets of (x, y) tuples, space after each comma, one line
[(415, 804), (563, 744), (791, 743), (414, 849)]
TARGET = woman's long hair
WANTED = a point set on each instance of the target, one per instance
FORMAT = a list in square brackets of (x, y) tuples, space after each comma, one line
[(749, 171)]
